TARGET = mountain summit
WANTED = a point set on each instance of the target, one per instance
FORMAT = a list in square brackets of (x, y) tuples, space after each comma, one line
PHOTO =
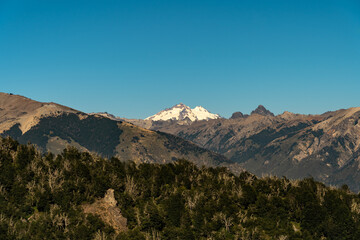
[(261, 110), (182, 112)]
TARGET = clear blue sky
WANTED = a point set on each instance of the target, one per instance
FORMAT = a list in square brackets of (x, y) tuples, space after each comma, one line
[(134, 58)]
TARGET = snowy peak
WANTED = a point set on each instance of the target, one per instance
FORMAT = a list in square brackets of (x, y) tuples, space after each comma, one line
[(203, 114), (182, 112)]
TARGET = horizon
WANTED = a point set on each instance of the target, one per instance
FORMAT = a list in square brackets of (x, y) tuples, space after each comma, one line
[(134, 59), (192, 107)]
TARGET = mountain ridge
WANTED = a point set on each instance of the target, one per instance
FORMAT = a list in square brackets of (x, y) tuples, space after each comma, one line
[(52, 127), (325, 146)]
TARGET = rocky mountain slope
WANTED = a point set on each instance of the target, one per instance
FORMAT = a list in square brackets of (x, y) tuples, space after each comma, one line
[(326, 146), (52, 127)]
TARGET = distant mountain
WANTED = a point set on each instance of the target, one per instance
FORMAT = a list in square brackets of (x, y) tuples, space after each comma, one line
[(237, 115), (261, 110), (326, 146), (52, 127), (182, 112)]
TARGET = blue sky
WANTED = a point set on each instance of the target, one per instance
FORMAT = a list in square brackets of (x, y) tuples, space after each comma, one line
[(134, 58)]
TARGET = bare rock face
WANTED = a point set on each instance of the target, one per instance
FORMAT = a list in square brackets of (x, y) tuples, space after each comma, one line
[(106, 209), (109, 198), (261, 110)]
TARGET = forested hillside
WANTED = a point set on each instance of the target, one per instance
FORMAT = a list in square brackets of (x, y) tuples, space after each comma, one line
[(77, 195)]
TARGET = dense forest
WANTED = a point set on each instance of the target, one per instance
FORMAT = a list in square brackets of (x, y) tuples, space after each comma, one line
[(46, 196)]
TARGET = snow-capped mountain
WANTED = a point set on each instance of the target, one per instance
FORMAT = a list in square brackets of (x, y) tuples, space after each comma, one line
[(183, 112)]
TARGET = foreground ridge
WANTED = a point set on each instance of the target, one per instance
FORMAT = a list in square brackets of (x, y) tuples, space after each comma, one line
[(163, 201)]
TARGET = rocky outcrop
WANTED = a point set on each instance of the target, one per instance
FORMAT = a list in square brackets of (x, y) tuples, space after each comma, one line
[(107, 211)]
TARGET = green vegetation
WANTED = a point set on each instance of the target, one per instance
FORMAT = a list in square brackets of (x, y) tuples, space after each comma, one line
[(41, 197)]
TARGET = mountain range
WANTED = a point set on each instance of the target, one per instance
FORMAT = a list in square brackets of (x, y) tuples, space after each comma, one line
[(324, 146), (53, 127)]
